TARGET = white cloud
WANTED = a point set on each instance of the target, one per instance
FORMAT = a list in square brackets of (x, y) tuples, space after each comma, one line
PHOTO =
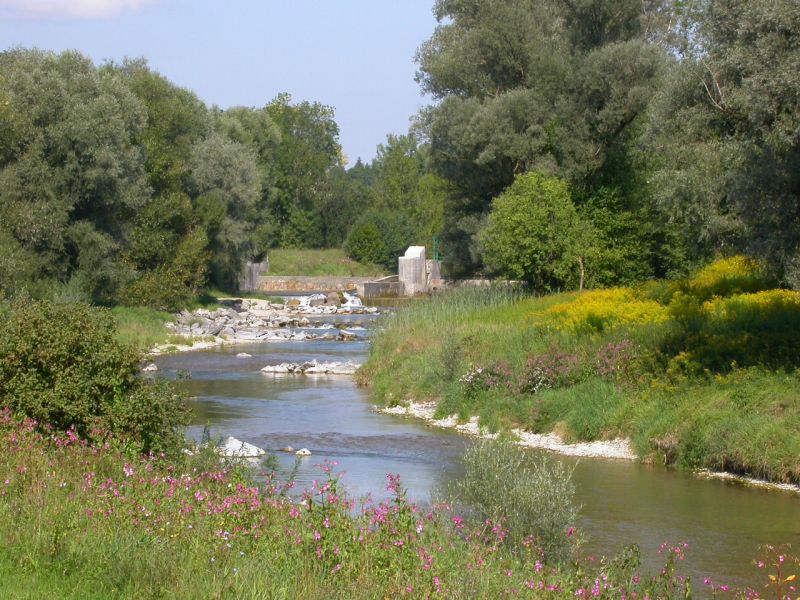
[(70, 9)]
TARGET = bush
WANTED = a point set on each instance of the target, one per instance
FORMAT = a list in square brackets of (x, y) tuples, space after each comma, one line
[(535, 234), (365, 244), (379, 237), (602, 310), (61, 365), (729, 276), (532, 497), (742, 330)]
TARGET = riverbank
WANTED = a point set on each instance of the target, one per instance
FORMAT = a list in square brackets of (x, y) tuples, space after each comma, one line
[(83, 521), (692, 378), (615, 449)]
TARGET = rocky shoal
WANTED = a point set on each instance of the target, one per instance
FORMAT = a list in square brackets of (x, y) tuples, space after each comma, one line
[(243, 320)]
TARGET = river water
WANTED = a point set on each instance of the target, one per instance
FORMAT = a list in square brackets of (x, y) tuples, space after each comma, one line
[(622, 502)]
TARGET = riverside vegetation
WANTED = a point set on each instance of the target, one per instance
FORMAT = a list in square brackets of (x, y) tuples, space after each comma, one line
[(99, 499), (701, 372), (91, 520)]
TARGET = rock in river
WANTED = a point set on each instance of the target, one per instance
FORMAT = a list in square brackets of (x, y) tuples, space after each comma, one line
[(234, 448)]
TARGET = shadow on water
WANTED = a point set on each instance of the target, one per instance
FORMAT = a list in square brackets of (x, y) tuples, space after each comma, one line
[(622, 502)]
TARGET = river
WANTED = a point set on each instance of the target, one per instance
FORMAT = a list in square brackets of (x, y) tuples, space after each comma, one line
[(622, 502)]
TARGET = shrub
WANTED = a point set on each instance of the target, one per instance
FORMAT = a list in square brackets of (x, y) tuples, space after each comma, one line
[(602, 310), (729, 276), (535, 234), (480, 379), (762, 328), (61, 365), (365, 244), (550, 370), (532, 497)]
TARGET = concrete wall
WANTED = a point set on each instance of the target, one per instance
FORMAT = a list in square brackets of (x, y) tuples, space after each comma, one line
[(278, 283), (380, 289), (412, 272), (252, 271)]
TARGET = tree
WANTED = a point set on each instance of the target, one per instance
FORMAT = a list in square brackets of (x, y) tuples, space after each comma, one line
[(72, 176), (227, 187), (725, 131), (176, 120), (404, 186), (535, 234), (528, 85), (302, 162)]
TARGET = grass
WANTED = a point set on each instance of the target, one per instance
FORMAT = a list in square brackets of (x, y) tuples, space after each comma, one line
[(332, 262), (696, 383), (83, 521), (144, 327)]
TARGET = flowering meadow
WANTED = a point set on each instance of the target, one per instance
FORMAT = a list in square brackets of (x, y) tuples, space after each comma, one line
[(86, 520), (702, 372)]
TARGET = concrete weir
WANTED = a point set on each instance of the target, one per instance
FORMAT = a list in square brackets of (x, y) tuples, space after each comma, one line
[(416, 275)]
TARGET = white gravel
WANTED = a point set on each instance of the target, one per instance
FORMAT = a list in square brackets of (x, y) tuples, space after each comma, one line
[(618, 448)]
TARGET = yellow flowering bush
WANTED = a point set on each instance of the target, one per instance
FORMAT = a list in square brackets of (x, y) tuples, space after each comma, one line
[(602, 310), (768, 303), (761, 328), (729, 276)]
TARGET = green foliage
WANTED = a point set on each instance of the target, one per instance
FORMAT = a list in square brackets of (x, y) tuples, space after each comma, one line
[(72, 175), (551, 86), (227, 184), (535, 234), (176, 121), (532, 497), (365, 244), (379, 237), (691, 380), (61, 365), (723, 137)]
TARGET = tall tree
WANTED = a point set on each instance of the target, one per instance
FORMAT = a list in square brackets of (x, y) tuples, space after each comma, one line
[(308, 152), (72, 176), (553, 86), (725, 131)]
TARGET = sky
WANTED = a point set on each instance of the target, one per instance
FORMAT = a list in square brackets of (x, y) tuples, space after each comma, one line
[(354, 55)]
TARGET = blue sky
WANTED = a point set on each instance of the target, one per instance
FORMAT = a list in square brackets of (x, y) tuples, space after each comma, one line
[(354, 55)]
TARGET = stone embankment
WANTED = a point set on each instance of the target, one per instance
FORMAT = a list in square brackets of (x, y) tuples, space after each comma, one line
[(242, 320)]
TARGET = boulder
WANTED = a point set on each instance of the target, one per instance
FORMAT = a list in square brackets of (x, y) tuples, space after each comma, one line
[(313, 368), (234, 448), (333, 299), (150, 368)]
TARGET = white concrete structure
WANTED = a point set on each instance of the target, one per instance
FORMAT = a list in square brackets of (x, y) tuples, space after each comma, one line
[(412, 271)]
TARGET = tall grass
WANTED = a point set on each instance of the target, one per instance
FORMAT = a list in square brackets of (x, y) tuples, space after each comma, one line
[(533, 498), (143, 327)]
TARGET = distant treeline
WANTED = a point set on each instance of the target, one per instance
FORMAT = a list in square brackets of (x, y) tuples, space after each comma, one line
[(642, 138), (118, 186)]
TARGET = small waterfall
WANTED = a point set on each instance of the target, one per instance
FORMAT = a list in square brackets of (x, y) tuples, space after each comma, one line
[(351, 301)]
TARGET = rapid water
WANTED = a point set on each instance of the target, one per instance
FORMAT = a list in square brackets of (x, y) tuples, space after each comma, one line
[(622, 502)]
